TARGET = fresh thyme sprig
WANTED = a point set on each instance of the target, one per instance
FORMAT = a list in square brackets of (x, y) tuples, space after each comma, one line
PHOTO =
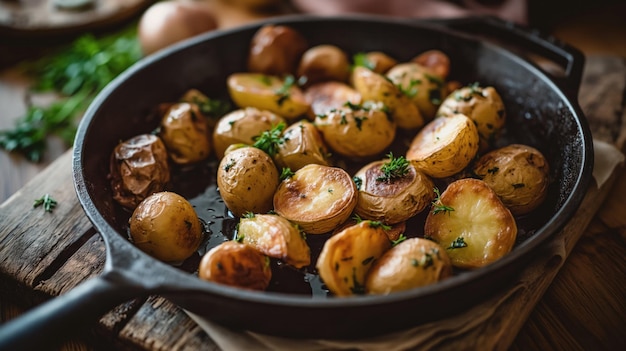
[(438, 206), (270, 140), (47, 202), (396, 167)]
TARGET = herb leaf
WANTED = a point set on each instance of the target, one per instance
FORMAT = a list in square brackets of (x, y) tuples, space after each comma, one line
[(270, 140), (47, 201), (394, 168), (457, 243), (438, 206)]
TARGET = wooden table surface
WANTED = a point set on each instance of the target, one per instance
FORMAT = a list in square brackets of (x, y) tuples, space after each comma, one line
[(579, 304)]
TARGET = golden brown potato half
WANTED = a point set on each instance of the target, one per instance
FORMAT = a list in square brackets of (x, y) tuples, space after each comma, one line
[(235, 264), (317, 198), (410, 264), (482, 105), (165, 226), (139, 167), (247, 179), (392, 191), (324, 63), (302, 145), (519, 174), (425, 89), (436, 61), (445, 146), (241, 127), (471, 223), (376, 87), (276, 237), (357, 130), (185, 133), (278, 95), (393, 231), (326, 96), (276, 50), (376, 61), (348, 255)]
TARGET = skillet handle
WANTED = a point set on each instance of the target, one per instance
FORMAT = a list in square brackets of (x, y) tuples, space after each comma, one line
[(570, 59), (45, 326)]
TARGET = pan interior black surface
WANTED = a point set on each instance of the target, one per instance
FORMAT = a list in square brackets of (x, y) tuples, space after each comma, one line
[(538, 114)]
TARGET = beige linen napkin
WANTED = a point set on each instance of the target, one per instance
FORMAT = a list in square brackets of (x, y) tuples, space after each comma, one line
[(431, 335)]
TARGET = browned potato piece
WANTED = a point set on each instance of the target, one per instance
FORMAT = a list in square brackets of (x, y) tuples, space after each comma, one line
[(482, 105), (519, 174), (436, 61), (302, 145), (348, 255), (323, 63), (393, 231), (139, 167), (241, 127), (472, 224), (317, 198), (247, 179), (165, 226), (445, 146), (412, 263), (377, 61), (392, 191), (185, 132), (211, 109), (276, 237), (376, 87), (357, 130), (276, 50), (235, 264), (326, 96), (425, 89)]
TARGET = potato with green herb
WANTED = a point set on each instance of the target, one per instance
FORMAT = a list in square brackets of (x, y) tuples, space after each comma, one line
[(324, 63), (326, 96), (376, 61), (425, 89), (185, 132), (301, 144), (410, 264)]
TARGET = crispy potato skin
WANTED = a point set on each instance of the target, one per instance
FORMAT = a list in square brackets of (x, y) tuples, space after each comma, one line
[(138, 167), (323, 63), (425, 89), (185, 133), (392, 201), (276, 237), (412, 263), (519, 174), (241, 126), (247, 179), (235, 264), (303, 145), (166, 226), (276, 50), (318, 198), (326, 96), (445, 146), (479, 217), (348, 255)]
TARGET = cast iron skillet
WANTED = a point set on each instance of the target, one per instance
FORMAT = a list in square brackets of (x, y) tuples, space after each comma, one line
[(542, 111)]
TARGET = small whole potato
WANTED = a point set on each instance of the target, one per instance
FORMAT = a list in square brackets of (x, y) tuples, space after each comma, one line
[(302, 145), (139, 167), (185, 132), (436, 61), (166, 226), (519, 174), (241, 127), (425, 89), (235, 264), (410, 264), (377, 61), (323, 63), (326, 96), (247, 179), (276, 50)]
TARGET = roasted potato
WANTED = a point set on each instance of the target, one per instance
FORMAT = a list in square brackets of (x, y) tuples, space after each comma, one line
[(241, 127), (276, 50), (519, 174), (247, 179), (471, 223), (482, 105), (302, 145), (436, 61), (410, 264), (348, 255), (425, 89), (235, 264), (392, 190), (393, 231), (276, 237), (139, 167), (376, 61), (212, 109), (376, 87), (318, 198), (323, 63), (330, 95), (445, 146), (165, 226), (265, 92), (357, 130), (185, 133)]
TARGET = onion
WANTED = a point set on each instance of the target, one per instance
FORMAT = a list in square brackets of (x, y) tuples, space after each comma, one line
[(167, 22)]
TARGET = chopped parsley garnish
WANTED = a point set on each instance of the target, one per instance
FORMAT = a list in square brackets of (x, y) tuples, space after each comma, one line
[(438, 206), (394, 168), (229, 165), (359, 121), (379, 224), (47, 202), (358, 182), (248, 214), (357, 287), (400, 239), (269, 140), (283, 91), (360, 59), (286, 173), (457, 243), (411, 90)]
